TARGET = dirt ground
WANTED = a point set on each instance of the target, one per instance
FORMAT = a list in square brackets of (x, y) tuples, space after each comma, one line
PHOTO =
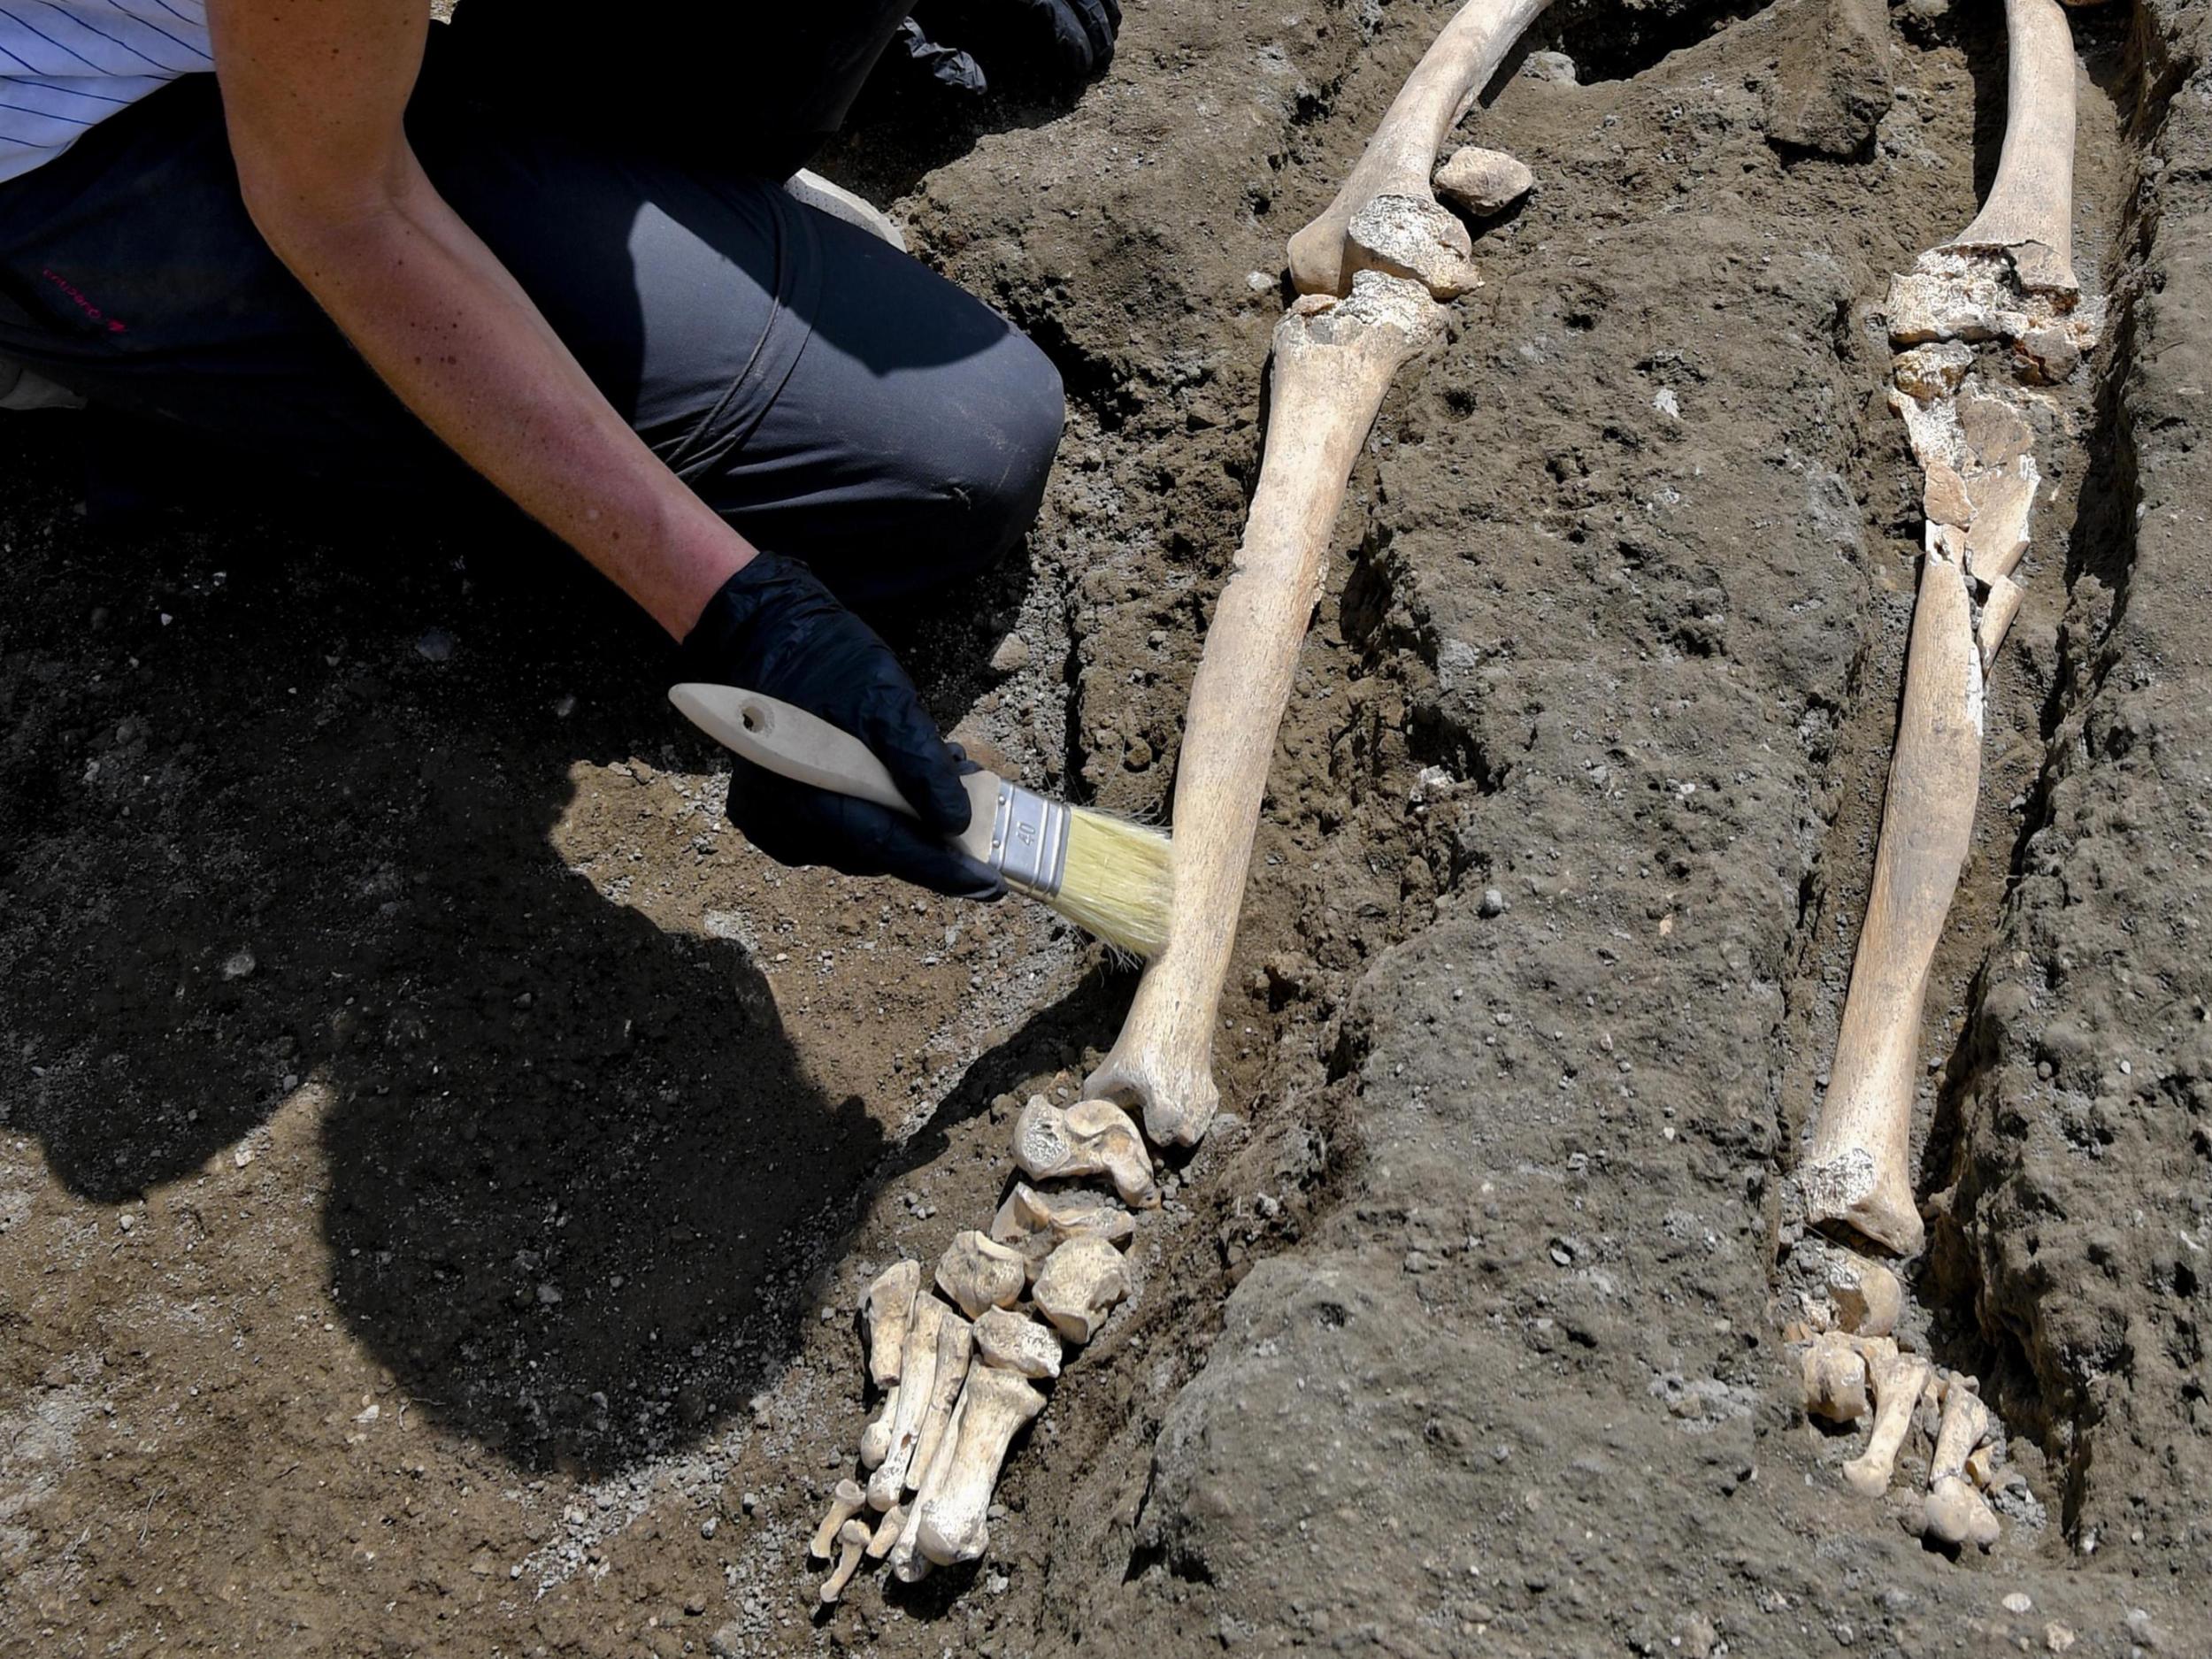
[(439, 1161)]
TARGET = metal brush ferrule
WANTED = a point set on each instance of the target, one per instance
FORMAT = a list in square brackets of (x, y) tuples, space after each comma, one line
[(1029, 839)]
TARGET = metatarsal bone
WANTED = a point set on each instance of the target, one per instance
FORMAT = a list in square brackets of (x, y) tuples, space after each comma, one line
[(1858, 1171), (908, 1563), (1333, 361), (1897, 1379), (2029, 210), (886, 1533), (1954, 1512), (915, 1394), (955, 1345), (1327, 254), (884, 1309), (992, 1410)]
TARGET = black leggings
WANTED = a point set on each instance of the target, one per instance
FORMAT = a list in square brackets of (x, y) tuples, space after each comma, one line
[(830, 396)]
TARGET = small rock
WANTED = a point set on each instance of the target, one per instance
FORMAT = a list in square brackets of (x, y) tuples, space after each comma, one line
[(2058, 1637), (728, 1642), (239, 964), (1483, 181), (1555, 67), (1493, 902), (435, 646), (126, 1222), (748, 1501), (2018, 1602), (708, 1527), (1012, 656), (1138, 756)]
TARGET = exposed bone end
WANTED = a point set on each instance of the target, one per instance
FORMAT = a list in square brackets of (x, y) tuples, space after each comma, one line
[(1955, 1514), (1414, 237), (852, 1538), (1931, 370), (2046, 353), (1092, 1137), (1036, 1224), (956, 1347), (888, 1527), (995, 1407), (1079, 1287), (1925, 306), (884, 1308), (1896, 1380), (1981, 1466), (875, 1439), (844, 1503), (1483, 181), (1868, 1297), (1851, 1190), (1013, 1343), (977, 1272), (1834, 1375)]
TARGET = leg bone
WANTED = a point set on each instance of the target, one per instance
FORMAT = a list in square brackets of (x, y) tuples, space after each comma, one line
[(916, 1378), (956, 1347), (1333, 361), (2029, 213)]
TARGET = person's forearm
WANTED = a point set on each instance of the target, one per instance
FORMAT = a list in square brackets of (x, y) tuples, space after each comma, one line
[(445, 326)]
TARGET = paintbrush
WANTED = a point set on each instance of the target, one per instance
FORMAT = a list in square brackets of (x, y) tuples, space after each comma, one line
[(1113, 879)]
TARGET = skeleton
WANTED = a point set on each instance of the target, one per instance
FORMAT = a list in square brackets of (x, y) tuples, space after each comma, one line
[(2008, 277), (1370, 273)]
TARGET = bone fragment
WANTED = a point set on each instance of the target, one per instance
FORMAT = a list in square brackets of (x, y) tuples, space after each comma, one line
[(1092, 1137), (2003, 499), (1896, 1379), (1998, 612), (852, 1538), (1405, 232), (1483, 181), (1931, 370), (1857, 1174), (956, 1347), (844, 1503), (1333, 361), (1078, 1285), (1036, 1224), (1012, 1342), (1981, 1466), (977, 1272), (992, 1410), (875, 1439), (916, 1391), (1866, 1295), (1943, 497), (1834, 1375), (884, 1310), (1954, 1512), (2029, 212), (892, 1523)]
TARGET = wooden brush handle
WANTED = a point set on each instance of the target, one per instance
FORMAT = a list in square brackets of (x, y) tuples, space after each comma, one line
[(790, 742)]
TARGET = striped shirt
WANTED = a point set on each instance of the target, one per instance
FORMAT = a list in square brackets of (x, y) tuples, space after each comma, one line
[(67, 65)]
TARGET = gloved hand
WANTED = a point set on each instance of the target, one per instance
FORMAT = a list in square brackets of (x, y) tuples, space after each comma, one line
[(1071, 38), (774, 628)]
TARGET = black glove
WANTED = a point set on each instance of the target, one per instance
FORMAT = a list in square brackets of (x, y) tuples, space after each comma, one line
[(774, 628), (926, 59), (1071, 38)]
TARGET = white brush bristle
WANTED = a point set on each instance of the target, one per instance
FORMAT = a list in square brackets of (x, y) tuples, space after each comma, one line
[(1118, 884)]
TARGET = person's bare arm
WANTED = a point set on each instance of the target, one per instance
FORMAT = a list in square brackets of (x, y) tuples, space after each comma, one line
[(314, 92)]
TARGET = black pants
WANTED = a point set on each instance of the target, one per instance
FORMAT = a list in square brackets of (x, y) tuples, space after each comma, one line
[(830, 396)]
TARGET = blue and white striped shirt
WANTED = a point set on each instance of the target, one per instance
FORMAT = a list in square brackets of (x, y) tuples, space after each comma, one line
[(67, 65)]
